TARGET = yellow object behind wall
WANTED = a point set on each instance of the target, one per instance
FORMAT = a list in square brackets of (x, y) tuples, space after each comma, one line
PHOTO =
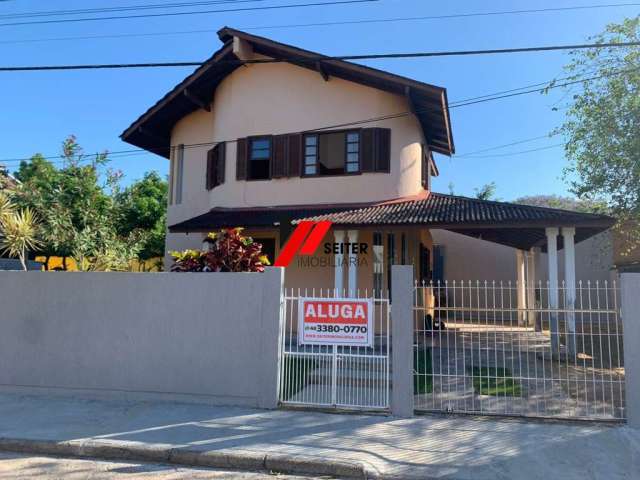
[(57, 263)]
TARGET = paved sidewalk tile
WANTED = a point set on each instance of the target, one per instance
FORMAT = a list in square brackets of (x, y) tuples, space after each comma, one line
[(453, 447)]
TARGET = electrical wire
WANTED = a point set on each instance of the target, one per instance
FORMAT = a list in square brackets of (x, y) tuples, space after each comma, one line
[(467, 102), (177, 14), (316, 58)]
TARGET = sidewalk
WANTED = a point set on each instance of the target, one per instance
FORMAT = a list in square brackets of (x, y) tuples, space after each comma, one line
[(453, 447)]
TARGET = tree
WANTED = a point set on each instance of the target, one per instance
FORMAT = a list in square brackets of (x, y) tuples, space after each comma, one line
[(77, 207), (564, 203), (18, 230), (602, 123), (486, 192), (143, 206)]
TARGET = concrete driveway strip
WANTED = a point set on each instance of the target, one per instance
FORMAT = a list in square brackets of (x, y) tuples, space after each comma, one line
[(355, 446)]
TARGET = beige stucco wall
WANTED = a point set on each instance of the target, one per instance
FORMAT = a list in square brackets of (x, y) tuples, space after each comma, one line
[(277, 98)]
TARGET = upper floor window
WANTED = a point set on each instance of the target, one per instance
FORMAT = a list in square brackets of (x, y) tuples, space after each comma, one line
[(334, 153), (260, 158)]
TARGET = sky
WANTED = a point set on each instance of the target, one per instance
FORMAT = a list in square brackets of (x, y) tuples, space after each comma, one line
[(39, 109)]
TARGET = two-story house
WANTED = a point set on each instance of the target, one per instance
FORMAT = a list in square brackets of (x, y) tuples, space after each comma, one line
[(264, 134)]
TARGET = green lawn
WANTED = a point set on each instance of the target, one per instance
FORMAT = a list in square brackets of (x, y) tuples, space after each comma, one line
[(422, 371), (494, 381)]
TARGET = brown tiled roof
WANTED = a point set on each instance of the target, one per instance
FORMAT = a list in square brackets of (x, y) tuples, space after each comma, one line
[(152, 130), (514, 225), (441, 210)]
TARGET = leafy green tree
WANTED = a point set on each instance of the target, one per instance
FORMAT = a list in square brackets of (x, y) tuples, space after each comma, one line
[(78, 209), (486, 192), (602, 123), (565, 203), (143, 206)]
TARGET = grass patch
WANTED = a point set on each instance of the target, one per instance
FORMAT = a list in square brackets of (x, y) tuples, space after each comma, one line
[(494, 381), (422, 371), (296, 373)]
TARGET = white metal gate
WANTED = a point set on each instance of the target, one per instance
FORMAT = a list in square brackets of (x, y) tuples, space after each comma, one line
[(333, 376), (476, 350)]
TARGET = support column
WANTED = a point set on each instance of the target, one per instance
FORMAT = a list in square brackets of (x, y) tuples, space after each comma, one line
[(521, 286), (531, 288), (568, 234), (552, 257), (353, 265), (402, 325), (630, 289), (338, 283)]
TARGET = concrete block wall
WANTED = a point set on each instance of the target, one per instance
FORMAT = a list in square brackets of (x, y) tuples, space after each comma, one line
[(209, 337)]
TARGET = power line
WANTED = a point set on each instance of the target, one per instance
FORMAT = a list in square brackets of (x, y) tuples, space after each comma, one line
[(466, 102), (315, 58), (498, 147), (176, 14), (324, 24), (55, 13), (510, 154)]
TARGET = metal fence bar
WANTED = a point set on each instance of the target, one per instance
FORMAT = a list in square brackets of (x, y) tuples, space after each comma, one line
[(332, 375), (479, 350)]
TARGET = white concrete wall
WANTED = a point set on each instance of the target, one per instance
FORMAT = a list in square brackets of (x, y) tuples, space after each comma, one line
[(201, 336), (468, 258)]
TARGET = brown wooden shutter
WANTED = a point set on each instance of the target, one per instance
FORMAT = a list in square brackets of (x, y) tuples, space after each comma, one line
[(241, 159), (220, 165), (382, 149), (294, 154), (367, 149), (211, 169), (279, 165), (424, 167)]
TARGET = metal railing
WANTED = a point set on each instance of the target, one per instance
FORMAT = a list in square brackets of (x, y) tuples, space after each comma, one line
[(512, 348), (334, 376)]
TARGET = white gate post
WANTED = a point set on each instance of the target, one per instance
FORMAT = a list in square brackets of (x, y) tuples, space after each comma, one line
[(570, 287), (552, 257), (630, 290), (521, 286), (402, 326)]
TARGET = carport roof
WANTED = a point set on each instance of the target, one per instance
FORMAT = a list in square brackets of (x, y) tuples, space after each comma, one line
[(514, 225)]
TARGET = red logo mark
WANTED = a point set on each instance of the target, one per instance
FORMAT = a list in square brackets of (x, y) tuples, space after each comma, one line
[(313, 232)]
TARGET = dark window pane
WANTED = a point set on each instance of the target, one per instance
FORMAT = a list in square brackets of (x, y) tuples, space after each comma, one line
[(353, 137)]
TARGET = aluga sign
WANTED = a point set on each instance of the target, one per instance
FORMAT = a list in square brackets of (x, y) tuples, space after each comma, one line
[(335, 321)]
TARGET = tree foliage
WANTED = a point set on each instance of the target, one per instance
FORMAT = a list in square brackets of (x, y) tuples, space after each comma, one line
[(565, 203), (81, 210), (486, 192), (19, 230), (143, 206), (603, 120)]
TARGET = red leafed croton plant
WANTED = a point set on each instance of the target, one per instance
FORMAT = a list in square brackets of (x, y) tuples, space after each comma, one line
[(229, 251)]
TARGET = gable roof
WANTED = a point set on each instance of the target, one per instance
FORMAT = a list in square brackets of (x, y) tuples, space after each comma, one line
[(152, 130)]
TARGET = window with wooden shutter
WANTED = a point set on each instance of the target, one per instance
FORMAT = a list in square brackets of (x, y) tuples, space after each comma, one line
[(216, 165), (279, 166), (294, 155), (211, 169), (241, 159), (375, 150), (221, 157)]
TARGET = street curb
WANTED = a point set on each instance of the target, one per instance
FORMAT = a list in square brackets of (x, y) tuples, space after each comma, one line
[(298, 465)]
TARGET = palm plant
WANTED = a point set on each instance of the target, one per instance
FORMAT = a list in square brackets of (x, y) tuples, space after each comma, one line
[(19, 232)]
